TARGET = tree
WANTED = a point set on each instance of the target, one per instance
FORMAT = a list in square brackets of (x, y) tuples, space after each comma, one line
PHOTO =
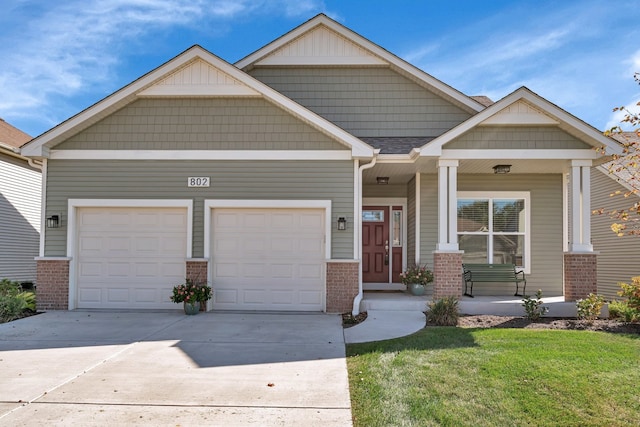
[(626, 169)]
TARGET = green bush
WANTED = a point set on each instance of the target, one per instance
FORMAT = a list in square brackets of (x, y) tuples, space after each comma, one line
[(621, 310), (632, 292), (443, 312), (589, 308), (533, 307), (14, 303)]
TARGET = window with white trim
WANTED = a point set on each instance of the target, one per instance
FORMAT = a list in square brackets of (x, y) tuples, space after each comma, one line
[(494, 227)]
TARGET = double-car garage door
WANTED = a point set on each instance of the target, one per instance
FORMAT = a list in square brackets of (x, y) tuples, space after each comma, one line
[(261, 259)]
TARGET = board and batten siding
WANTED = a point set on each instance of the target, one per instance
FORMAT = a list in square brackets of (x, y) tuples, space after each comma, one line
[(618, 257), (241, 180), (20, 200), (510, 137), (370, 102), (546, 225), (201, 124)]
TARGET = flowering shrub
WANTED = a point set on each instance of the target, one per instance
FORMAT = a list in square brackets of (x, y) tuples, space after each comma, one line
[(191, 292), (589, 308), (416, 274)]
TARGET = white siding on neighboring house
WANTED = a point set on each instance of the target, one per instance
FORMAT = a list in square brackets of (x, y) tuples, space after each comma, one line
[(20, 199)]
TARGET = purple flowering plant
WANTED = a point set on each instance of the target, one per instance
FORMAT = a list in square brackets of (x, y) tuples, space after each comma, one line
[(416, 274), (191, 292)]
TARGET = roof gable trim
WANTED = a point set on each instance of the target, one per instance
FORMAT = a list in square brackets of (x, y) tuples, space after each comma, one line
[(321, 46), (198, 78)]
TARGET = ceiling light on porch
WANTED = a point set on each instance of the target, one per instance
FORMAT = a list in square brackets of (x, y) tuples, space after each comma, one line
[(502, 169), (382, 180)]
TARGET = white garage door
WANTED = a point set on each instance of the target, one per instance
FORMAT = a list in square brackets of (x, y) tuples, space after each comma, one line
[(130, 257), (268, 259)]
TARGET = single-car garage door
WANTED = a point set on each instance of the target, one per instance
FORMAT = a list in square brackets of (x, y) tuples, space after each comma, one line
[(130, 257), (268, 259)]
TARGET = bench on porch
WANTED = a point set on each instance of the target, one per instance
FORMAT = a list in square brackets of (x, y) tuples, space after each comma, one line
[(492, 273)]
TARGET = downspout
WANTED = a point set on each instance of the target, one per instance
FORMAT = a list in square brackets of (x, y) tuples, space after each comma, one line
[(358, 226)]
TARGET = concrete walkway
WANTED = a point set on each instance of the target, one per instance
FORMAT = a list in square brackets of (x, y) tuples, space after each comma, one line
[(385, 324), (165, 368)]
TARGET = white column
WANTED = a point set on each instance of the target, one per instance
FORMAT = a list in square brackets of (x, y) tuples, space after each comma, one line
[(447, 205), (453, 206), (580, 206)]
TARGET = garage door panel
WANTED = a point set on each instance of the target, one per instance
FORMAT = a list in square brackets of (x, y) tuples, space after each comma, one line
[(267, 259), (133, 261)]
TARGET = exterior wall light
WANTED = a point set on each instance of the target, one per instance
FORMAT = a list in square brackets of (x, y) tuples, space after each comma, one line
[(53, 221), (502, 169), (342, 223), (382, 180)]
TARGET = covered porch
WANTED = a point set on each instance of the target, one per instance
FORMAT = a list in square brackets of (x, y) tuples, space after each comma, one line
[(500, 305)]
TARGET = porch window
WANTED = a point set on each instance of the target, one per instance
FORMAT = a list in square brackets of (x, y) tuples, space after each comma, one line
[(494, 228)]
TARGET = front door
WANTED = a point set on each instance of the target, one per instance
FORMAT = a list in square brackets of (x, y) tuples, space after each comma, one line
[(375, 244)]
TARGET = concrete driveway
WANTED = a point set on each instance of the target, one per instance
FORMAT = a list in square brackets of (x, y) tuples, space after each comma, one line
[(166, 368)]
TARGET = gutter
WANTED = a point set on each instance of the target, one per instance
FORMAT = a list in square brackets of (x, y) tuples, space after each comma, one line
[(358, 225), (15, 152)]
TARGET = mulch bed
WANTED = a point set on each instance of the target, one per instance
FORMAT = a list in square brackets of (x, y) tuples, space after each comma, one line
[(605, 325), (490, 321)]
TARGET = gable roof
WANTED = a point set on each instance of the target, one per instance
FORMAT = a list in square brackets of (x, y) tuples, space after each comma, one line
[(525, 107), (346, 47), (195, 72)]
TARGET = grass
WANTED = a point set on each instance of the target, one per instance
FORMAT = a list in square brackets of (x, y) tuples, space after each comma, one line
[(450, 376)]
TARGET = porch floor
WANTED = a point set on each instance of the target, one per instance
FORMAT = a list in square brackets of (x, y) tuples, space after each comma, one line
[(500, 305)]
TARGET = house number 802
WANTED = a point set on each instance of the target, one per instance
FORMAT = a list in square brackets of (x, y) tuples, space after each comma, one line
[(198, 181)]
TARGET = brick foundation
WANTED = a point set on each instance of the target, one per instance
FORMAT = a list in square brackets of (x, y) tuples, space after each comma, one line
[(342, 286), (447, 271), (580, 275), (197, 272), (52, 291)]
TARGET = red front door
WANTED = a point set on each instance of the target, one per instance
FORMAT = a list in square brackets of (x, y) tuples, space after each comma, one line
[(375, 244)]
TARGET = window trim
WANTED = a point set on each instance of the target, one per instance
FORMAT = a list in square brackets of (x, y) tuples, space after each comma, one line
[(502, 195)]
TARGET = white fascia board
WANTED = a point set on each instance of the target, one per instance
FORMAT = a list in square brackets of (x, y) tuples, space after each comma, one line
[(201, 155), (432, 147), (376, 50), (471, 154), (395, 158), (131, 91)]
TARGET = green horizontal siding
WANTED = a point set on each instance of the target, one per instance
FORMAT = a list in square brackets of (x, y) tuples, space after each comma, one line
[(366, 101), (618, 257), (201, 124), (511, 137), (546, 225), (262, 180)]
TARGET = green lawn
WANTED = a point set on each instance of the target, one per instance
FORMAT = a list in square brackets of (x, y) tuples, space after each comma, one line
[(496, 377)]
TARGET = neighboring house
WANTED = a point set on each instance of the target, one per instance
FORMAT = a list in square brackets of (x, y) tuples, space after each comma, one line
[(316, 167), (20, 199), (618, 257)]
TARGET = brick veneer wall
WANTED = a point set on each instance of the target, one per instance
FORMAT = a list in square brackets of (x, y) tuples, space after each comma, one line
[(342, 286), (52, 290), (197, 272), (580, 275), (447, 271)]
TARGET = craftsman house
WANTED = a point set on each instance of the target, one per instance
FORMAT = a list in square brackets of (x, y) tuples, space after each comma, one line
[(313, 169)]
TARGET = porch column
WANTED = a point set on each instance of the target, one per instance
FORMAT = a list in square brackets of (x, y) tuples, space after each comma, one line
[(447, 258), (580, 263), (447, 205), (581, 206)]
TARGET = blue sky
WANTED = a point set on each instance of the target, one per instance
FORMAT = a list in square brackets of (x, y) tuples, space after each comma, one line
[(60, 57)]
